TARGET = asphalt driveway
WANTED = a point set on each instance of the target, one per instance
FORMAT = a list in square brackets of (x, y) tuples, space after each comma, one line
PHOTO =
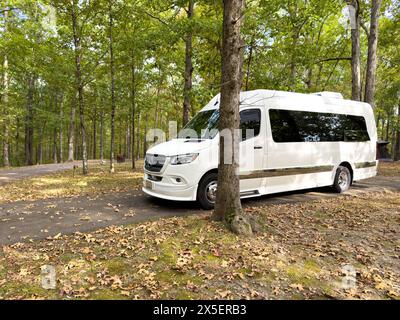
[(29, 220)]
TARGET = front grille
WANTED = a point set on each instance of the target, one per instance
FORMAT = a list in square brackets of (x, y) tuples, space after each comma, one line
[(154, 162)]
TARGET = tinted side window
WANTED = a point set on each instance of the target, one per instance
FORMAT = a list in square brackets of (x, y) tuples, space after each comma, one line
[(355, 129), (303, 126), (284, 126), (250, 120)]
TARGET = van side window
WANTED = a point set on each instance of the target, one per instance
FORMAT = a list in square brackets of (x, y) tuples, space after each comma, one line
[(250, 120), (304, 126)]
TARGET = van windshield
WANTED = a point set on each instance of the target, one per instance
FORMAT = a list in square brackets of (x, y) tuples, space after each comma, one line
[(203, 126)]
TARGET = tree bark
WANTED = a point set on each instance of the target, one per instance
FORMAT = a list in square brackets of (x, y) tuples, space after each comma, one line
[(228, 206), (6, 151), (112, 71), (355, 52), (187, 89), (372, 58), (79, 85)]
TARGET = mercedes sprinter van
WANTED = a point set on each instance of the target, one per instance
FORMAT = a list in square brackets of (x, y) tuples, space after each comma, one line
[(297, 141)]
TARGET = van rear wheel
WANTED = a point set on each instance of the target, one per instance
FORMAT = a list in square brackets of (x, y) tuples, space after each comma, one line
[(207, 191), (342, 180)]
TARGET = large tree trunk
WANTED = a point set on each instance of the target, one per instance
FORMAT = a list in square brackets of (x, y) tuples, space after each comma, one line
[(133, 104), (71, 131), (355, 52), (29, 121), (188, 66), (79, 86), (112, 71), (228, 206), (372, 47), (6, 151)]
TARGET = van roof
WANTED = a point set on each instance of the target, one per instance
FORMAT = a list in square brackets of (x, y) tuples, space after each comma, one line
[(258, 97)]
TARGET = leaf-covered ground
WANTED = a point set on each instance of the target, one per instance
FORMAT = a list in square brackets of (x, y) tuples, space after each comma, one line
[(303, 251), (67, 183)]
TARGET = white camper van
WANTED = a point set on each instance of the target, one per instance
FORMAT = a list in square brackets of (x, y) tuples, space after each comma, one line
[(298, 141)]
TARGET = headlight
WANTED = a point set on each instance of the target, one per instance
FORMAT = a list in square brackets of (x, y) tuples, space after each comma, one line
[(183, 158)]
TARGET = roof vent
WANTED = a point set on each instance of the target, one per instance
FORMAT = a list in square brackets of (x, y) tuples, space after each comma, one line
[(328, 94)]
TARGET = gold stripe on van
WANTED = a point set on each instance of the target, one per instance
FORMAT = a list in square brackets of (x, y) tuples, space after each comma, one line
[(361, 165), (266, 173)]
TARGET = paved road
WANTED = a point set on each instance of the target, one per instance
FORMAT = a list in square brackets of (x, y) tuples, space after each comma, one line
[(24, 220), (7, 175)]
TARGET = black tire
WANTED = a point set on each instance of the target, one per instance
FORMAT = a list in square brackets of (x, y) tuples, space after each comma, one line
[(206, 186), (342, 180)]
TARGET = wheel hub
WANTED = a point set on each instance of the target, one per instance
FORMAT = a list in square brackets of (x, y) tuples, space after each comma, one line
[(211, 191), (343, 179)]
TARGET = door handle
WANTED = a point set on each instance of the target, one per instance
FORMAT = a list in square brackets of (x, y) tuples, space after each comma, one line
[(258, 147)]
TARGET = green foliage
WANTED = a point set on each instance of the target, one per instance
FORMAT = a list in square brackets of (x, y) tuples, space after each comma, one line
[(288, 45)]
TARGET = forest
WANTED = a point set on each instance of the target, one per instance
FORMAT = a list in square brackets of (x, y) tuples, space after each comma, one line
[(87, 79)]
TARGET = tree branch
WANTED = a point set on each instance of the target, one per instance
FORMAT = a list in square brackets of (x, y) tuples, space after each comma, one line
[(333, 59)]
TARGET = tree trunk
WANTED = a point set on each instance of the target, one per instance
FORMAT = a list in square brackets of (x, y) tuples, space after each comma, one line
[(6, 151), (228, 206), (95, 132), (188, 66), (71, 131), (138, 138), (133, 96), (54, 155), (145, 135), (61, 128), (112, 71), (396, 153), (355, 52), (40, 146), (17, 143), (55, 145), (249, 63), (372, 47), (79, 86), (102, 136), (29, 121), (295, 40)]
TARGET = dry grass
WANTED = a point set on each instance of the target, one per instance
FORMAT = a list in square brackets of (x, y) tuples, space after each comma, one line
[(390, 169), (66, 184)]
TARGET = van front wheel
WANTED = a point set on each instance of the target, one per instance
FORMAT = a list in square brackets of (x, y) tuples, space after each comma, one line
[(207, 191), (342, 180)]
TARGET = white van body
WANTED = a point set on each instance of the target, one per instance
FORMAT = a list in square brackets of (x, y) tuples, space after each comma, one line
[(278, 165)]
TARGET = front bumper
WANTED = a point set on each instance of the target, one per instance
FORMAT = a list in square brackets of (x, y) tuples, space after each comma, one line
[(168, 191)]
